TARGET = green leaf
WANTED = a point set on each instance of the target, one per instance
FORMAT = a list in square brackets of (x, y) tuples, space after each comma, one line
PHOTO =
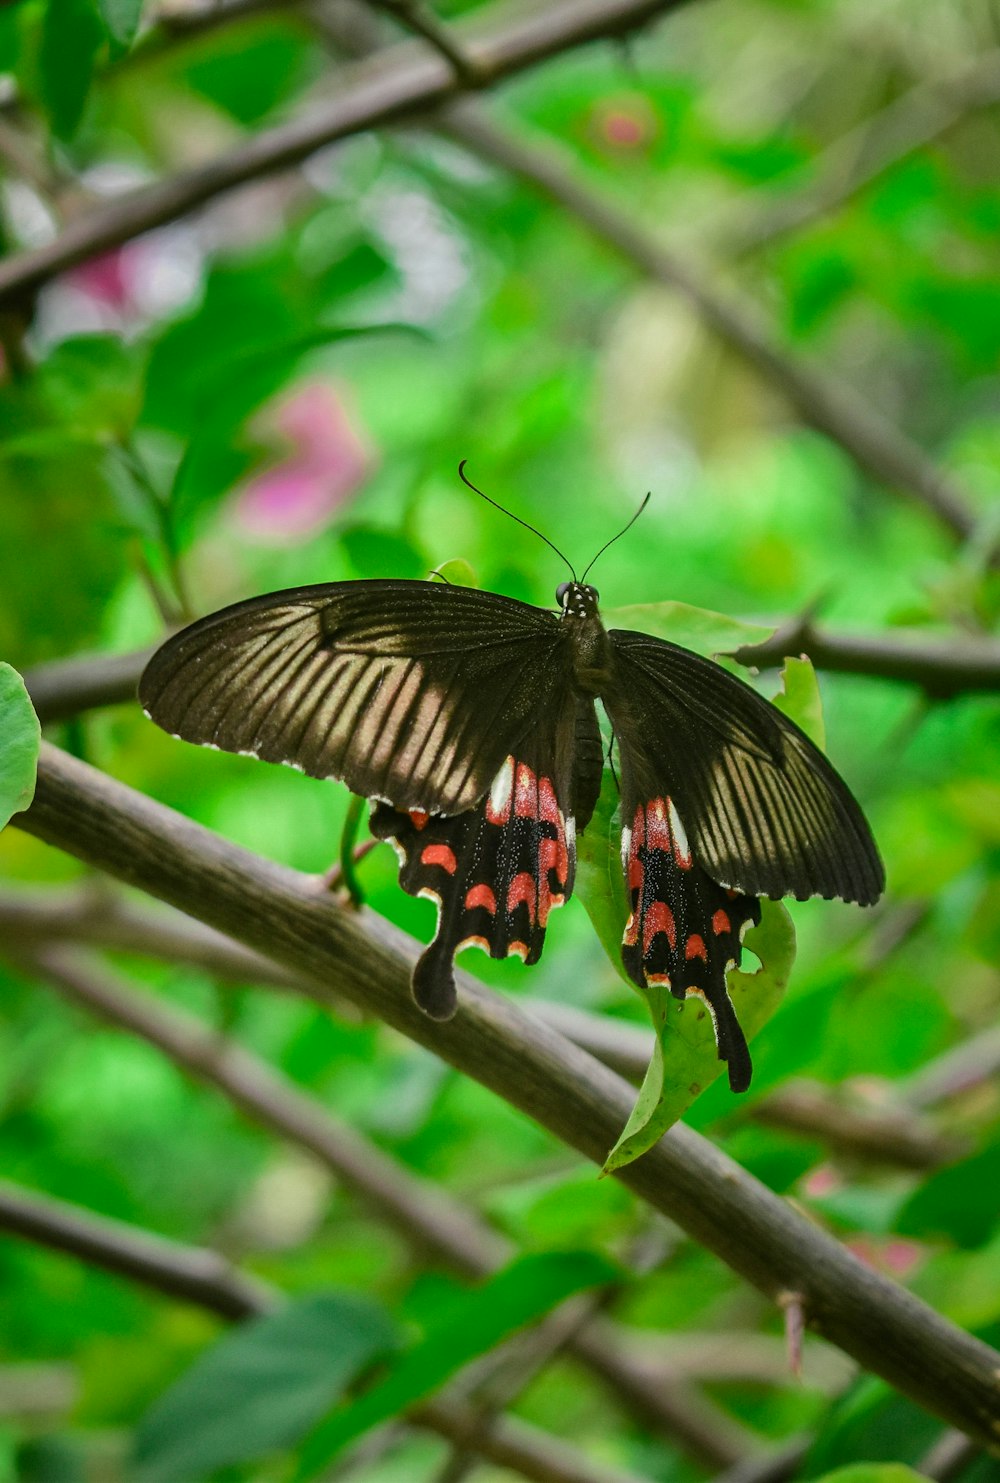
[(705, 632), (380, 553), (473, 1324), (685, 1058), (261, 1387), (20, 738), (799, 699), (458, 571), (121, 18), (959, 1202), (72, 33)]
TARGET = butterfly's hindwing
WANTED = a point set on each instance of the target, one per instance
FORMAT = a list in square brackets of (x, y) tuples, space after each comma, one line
[(495, 872), (765, 812), (684, 931), (412, 692)]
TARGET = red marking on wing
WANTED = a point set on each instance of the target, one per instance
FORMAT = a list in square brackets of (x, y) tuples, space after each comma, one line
[(658, 918), (548, 804), (481, 896), (418, 818), (658, 826), (695, 947), (631, 934), (721, 923), (522, 888), (525, 792), (439, 854)]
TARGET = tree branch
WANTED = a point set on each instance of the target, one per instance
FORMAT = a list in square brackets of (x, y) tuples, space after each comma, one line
[(191, 1273), (942, 668), (831, 406), (402, 80), (276, 911)]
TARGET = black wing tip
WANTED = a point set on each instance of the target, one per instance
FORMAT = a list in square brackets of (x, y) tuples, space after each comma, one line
[(433, 984), (740, 1067)]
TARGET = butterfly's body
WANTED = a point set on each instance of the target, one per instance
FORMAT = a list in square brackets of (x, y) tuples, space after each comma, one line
[(469, 720)]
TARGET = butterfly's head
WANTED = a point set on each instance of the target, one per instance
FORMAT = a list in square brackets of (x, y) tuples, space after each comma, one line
[(577, 600)]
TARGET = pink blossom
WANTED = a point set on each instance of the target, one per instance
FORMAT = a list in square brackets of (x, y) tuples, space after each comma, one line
[(107, 279), (823, 1180), (328, 460)]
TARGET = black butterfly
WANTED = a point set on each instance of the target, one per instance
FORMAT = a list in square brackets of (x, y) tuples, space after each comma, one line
[(469, 720)]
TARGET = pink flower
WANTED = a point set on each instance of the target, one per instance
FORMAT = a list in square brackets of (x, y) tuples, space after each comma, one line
[(328, 460), (626, 124), (107, 279)]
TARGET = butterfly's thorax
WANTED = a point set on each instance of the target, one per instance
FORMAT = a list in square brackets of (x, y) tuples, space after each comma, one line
[(592, 655)]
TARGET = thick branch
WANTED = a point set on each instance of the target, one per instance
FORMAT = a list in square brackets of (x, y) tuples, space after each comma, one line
[(191, 1273), (277, 911), (831, 406), (401, 81)]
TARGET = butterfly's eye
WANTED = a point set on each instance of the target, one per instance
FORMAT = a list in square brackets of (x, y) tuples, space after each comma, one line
[(561, 592), (595, 594)]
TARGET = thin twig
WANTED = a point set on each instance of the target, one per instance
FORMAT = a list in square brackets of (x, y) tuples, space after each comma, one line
[(269, 907), (830, 405), (403, 80), (193, 1274)]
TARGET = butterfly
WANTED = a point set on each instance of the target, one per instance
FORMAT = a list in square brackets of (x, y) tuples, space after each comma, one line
[(469, 720)]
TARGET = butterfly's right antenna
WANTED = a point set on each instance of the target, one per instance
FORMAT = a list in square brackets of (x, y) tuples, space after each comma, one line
[(538, 533), (618, 537)]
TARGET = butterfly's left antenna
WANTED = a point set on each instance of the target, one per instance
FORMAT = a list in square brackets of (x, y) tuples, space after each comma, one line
[(538, 533), (618, 537)]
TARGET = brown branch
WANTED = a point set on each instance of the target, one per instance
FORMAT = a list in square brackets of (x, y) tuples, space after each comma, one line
[(274, 910), (428, 1218), (63, 688), (831, 406), (402, 81), (190, 1273), (941, 667)]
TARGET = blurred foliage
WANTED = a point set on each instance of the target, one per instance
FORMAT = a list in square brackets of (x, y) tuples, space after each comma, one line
[(186, 422)]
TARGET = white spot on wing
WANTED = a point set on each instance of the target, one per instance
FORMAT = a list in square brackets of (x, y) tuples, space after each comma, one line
[(680, 838), (626, 845), (503, 786)]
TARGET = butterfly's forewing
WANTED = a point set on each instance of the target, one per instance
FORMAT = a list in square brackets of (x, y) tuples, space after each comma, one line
[(498, 869), (764, 811), (411, 692)]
